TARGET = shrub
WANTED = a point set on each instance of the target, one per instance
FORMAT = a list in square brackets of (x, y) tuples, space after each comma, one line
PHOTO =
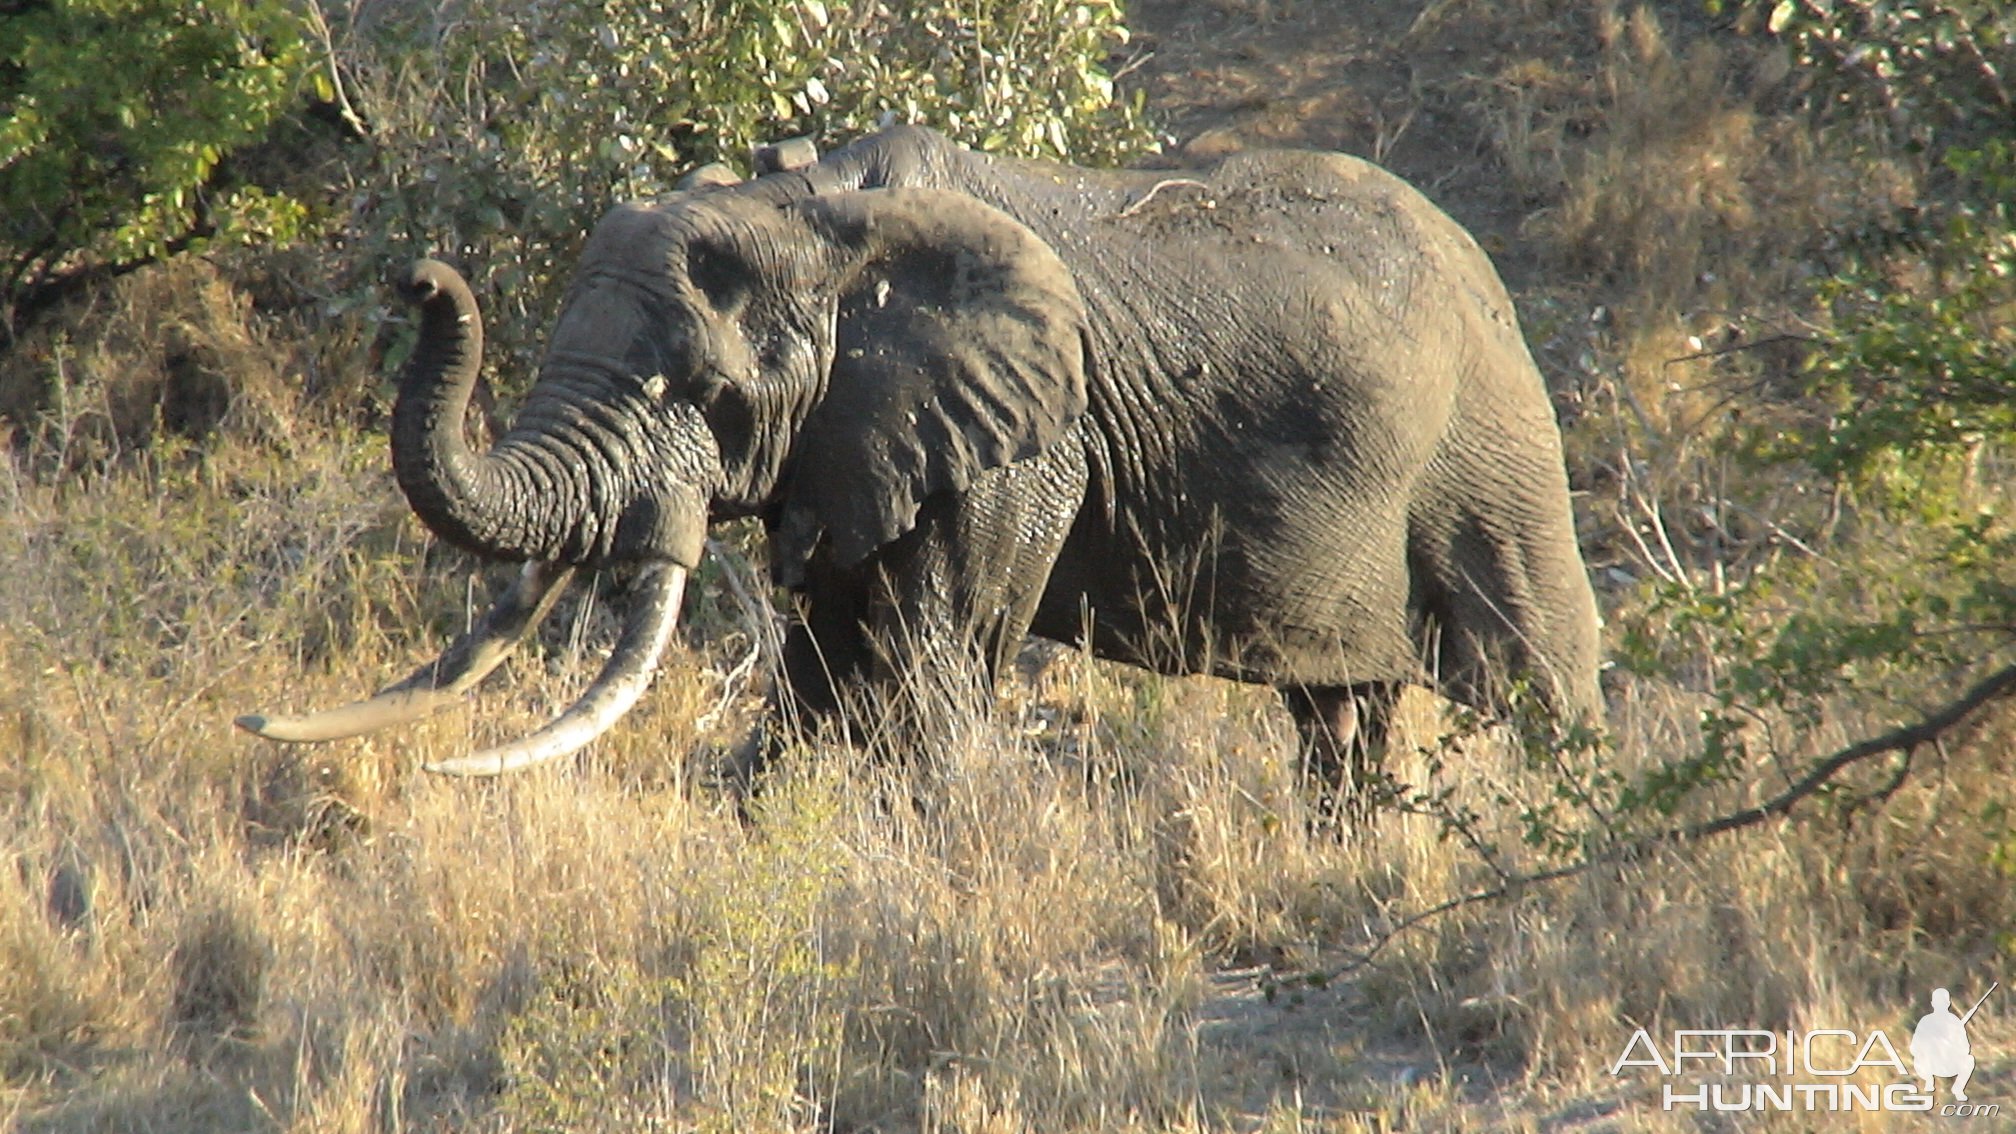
[(1896, 428), (500, 132), (122, 117), (1931, 72), (492, 134)]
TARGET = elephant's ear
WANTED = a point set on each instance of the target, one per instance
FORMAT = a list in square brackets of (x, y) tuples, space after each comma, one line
[(959, 348)]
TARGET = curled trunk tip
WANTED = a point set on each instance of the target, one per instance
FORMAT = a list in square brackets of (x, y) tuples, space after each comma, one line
[(481, 502)]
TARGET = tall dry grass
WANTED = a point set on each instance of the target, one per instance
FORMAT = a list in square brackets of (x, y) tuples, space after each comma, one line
[(1103, 906), (1061, 920)]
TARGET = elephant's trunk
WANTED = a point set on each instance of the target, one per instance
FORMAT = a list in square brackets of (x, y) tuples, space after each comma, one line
[(586, 478), (501, 504)]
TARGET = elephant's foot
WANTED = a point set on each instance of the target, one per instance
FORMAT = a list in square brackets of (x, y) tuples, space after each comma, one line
[(1343, 731)]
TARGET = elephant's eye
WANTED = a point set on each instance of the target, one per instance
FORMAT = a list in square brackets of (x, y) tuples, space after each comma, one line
[(719, 277), (673, 344)]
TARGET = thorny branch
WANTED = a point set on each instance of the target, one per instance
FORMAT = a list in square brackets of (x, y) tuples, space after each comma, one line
[(1932, 729)]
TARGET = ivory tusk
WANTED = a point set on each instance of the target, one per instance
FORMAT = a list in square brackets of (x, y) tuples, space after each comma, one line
[(654, 612), (440, 683)]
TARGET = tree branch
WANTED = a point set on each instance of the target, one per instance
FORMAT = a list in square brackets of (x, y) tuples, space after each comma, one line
[(1931, 730)]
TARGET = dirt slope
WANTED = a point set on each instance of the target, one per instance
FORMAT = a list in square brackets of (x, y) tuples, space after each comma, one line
[(1381, 80)]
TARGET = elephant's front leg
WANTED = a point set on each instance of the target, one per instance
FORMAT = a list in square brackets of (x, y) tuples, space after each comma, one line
[(924, 626)]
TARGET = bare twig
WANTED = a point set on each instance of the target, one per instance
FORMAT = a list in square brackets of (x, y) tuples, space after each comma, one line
[(1648, 513), (1166, 183), (1778, 531), (1738, 348), (732, 684), (766, 649), (1930, 730), (762, 618), (1385, 139), (1430, 12), (345, 111), (1133, 63)]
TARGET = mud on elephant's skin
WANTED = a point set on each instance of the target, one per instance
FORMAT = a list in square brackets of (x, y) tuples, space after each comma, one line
[(1273, 421)]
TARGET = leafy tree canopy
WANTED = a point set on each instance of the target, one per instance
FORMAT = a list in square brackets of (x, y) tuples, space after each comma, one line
[(119, 116)]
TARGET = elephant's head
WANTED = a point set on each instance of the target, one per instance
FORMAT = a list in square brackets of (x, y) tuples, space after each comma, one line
[(826, 360)]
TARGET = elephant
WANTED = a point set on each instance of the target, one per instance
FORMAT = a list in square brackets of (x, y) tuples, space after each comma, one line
[(1273, 421)]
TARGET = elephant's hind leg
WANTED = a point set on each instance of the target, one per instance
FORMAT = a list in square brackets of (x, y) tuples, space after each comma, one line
[(1516, 607), (1344, 732), (1499, 572)]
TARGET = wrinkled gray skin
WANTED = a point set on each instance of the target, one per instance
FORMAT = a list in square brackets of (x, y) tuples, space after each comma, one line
[(1273, 422)]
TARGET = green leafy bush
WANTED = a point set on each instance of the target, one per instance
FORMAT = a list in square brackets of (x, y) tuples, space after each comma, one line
[(1932, 71), (494, 134), (120, 120), (500, 132), (1913, 378), (1911, 385), (1919, 374)]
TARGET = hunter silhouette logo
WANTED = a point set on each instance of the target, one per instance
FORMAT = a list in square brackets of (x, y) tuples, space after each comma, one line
[(1939, 1047), (1821, 1069)]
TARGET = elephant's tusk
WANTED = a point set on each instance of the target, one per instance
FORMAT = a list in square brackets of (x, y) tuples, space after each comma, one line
[(654, 611), (440, 683)]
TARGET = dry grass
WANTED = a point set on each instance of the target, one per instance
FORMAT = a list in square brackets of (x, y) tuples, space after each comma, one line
[(1095, 909), (1067, 931)]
